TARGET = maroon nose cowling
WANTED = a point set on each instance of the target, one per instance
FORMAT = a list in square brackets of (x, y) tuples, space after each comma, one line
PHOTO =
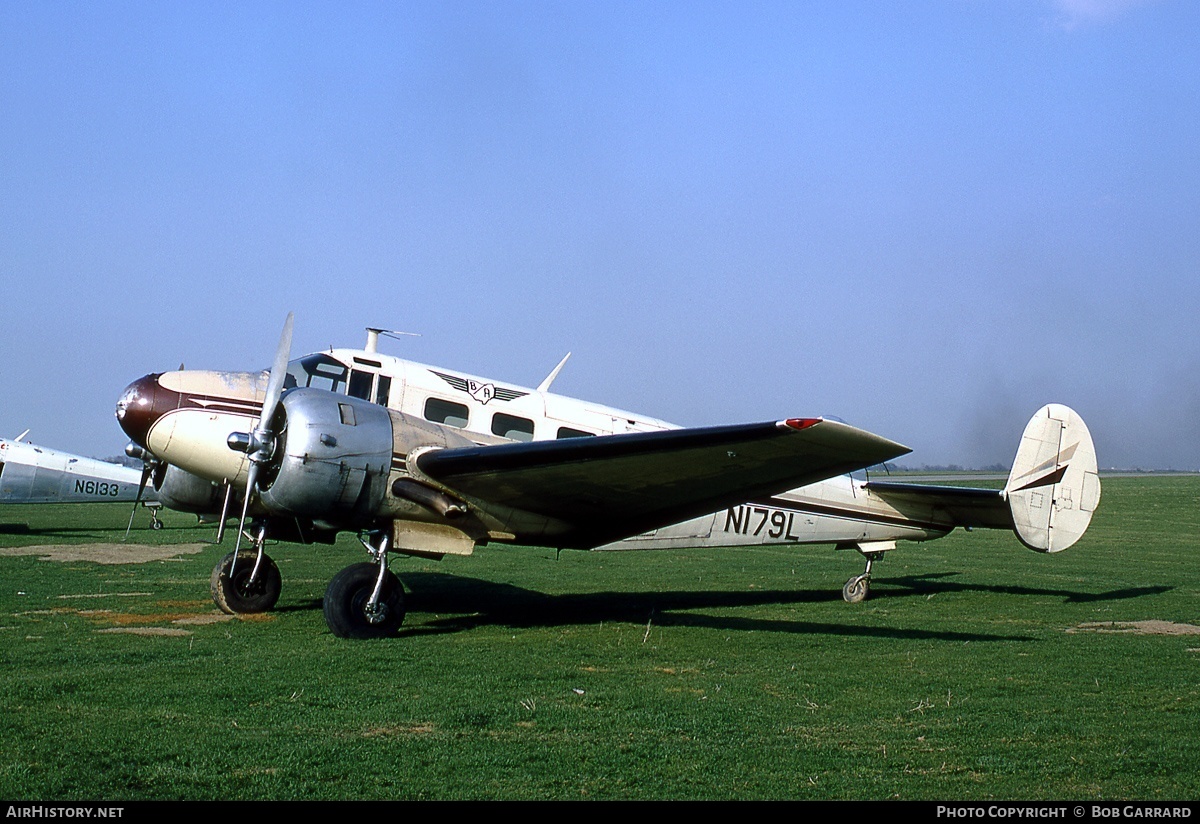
[(139, 408)]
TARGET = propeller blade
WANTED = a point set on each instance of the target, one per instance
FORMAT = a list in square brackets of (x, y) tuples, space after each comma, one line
[(278, 373), (251, 477), (147, 470), (259, 445), (224, 513)]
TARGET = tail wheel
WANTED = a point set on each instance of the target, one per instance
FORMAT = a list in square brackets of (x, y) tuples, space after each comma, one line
[(855, 590), (348, 608), (239, 595)]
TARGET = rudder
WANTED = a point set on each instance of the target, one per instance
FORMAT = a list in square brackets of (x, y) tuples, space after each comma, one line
[(1054, 486)]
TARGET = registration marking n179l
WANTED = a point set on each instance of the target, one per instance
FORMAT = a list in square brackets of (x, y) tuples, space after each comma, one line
[(760, 520)]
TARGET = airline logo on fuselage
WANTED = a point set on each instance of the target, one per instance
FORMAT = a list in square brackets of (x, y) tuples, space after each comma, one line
[(482, 392)]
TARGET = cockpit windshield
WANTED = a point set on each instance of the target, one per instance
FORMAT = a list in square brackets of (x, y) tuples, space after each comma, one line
[(319, 371)]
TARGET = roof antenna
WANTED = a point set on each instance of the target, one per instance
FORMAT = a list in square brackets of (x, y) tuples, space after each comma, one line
[(373, 337), (545, 385)]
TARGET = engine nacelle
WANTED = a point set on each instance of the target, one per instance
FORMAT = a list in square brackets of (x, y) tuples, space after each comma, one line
[(332, 460), (184, 492)]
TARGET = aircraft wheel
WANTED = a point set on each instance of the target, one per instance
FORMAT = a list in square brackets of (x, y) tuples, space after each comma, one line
[(156, 524), (239, 596), (855, 590), (346, 603)]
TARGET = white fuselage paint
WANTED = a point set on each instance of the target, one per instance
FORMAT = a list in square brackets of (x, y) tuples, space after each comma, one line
[(32, 474)]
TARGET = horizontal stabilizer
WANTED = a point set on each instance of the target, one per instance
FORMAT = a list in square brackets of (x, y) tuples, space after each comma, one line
[(962, 506)]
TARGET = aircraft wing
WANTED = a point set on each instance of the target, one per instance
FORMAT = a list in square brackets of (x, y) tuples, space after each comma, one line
[(590, 491), (962, 506)]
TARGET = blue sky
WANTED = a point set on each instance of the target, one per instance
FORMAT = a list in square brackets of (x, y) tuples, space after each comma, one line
[(925, 218)]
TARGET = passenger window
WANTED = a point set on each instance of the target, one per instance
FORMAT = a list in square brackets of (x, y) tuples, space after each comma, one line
[(384, 390), (568, 432), (447, 412), (360, 384), (512, 427)]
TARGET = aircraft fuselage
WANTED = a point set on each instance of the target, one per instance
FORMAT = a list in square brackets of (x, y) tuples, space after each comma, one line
[(186, 417)]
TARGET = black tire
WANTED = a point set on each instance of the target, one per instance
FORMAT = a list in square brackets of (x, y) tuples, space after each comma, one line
[(346, 600), (239, 596)]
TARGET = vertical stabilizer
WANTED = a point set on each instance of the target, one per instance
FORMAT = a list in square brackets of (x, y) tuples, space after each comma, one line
[(1054, 487)]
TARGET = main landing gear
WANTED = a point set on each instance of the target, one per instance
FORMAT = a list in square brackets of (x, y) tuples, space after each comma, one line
[(362, 601), (366, 600), (246, 581)]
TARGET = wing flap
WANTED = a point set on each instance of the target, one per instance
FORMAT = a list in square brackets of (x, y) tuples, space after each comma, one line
[(604, 488)]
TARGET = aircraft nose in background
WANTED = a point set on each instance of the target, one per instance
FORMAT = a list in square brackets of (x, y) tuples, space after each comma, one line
[(137, 409)]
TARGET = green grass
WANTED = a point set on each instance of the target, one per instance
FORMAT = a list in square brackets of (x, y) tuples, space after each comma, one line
[(715, 674)]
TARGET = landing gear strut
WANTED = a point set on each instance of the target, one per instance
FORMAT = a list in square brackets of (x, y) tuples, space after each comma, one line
[(366, 600), (857, 588), (246, 581)]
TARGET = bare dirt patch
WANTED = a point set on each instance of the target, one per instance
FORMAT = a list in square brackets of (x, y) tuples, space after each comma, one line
[(170, 631), (172, 618), (104, 553), (152, 623), (1138, 627), (405, 730)]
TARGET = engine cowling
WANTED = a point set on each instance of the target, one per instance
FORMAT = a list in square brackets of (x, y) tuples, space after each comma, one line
[(184, 492), (332, 460)]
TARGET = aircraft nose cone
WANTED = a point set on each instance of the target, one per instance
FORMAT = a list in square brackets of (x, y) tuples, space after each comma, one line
[(139, 407)]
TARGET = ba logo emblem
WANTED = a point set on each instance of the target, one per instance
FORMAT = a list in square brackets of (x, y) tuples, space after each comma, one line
[(482, 392)]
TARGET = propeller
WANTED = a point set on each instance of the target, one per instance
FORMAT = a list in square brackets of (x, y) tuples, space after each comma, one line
[(149, 464), (259, 445)]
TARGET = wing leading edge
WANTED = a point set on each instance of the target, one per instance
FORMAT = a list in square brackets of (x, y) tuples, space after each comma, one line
[(595, 490)]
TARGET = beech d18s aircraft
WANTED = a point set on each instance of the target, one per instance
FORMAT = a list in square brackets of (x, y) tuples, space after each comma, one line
[(426, 461)]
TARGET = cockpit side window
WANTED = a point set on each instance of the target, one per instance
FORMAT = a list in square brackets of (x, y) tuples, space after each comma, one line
[(320, 372)]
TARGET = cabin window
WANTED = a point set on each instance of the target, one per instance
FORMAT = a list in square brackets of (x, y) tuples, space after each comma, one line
[(360, 385), (568, 432), (384, 391), (512, 427), (447, 412)]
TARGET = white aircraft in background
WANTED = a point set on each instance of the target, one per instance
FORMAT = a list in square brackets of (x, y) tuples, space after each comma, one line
[(428, 461), (31, 474)]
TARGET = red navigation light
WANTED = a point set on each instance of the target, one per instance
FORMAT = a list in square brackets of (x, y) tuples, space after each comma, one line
[(801, 423)]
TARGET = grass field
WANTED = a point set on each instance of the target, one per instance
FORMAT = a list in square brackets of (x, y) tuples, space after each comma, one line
[(977, 670)]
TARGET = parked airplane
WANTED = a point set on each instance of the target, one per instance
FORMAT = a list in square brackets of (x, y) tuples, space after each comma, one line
[(428, 461), (31, 474)]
